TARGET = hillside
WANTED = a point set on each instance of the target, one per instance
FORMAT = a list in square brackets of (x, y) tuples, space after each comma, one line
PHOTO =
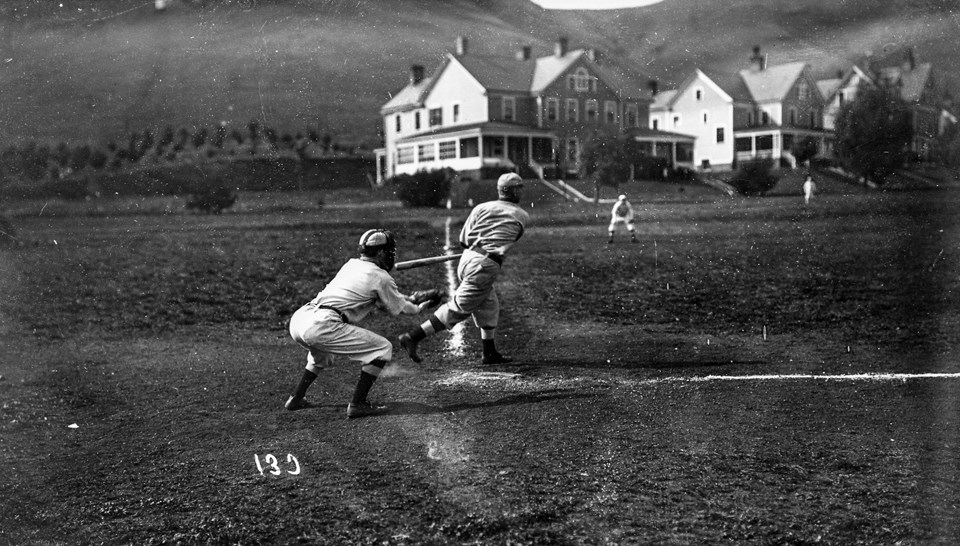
[(95, 70)]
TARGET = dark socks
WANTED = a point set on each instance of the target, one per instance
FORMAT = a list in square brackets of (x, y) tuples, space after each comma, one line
[(489, 347), (305, 383), (417, 334), (363, 387)]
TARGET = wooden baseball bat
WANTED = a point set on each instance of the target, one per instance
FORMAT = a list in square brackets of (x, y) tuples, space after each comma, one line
[(420, 262)]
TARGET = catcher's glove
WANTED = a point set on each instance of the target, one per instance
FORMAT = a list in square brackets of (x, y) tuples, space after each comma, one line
[(432, 297)]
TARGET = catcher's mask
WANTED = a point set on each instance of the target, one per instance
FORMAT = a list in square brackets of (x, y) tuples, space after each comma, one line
[(374, 241)]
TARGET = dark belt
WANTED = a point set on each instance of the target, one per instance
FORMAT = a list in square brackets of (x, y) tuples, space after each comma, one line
[(331, 308), (492, 255)]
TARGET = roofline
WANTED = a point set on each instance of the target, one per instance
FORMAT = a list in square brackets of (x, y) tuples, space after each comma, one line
[(478, 127)]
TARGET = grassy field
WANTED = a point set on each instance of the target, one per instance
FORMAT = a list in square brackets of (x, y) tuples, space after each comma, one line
[(703, 385)]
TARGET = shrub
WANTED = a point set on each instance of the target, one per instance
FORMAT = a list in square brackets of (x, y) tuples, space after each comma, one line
[(682, 174), (423, 189), (805, 148), (650, 167), (212, 201), (754, 177), (493, 172)]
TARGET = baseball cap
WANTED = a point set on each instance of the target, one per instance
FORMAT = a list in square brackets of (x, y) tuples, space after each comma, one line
[(509, 180)]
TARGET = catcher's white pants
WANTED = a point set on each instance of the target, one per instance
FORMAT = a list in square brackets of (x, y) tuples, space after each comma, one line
[(324, 334), (475, 295)]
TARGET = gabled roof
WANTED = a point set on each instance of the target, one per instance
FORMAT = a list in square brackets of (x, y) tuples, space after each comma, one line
[(511, 74), (549, 68), (829, 87), (664, 99), (499, 73), (772, 83), (668, 101), (412, 95), (732, 84)]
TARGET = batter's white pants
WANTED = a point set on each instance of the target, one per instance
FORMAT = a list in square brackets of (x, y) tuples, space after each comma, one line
[(475, 295)]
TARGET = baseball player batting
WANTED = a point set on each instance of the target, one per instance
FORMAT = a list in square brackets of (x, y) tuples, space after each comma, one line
[(490, 231)]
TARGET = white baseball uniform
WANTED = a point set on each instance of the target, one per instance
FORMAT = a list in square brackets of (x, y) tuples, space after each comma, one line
[(490, 231), (621, 213), (327, 325)]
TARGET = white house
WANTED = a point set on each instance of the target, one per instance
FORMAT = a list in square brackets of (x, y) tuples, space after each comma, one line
[(700, 108), (515, 112)]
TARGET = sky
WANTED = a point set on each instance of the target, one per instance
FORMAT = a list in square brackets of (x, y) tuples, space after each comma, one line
[(593, 4)]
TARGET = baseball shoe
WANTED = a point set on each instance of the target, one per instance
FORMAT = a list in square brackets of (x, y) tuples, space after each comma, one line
[(410, 346), (496, 358), (364, 409), (294, 404)]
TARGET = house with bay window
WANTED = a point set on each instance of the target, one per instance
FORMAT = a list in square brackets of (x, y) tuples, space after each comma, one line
[(521, 112)]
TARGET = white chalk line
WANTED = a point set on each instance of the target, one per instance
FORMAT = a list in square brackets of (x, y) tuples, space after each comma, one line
[(515, 381), (822, 377), (455, 342)]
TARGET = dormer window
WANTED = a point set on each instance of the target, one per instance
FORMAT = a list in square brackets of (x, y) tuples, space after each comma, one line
[(803, 91), (581, 80)]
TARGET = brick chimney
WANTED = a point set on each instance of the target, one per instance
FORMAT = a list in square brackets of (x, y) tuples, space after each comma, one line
[(416, 74), (758, 61), (654, 87), (461, 45), (560, 48), (594, 55), (523, 54)]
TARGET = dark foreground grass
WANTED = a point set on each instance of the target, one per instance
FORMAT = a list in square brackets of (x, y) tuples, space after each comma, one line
[(145, 362)]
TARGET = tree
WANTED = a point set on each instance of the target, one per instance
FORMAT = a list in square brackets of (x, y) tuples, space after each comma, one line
[(873, 133), (947, 147), (805, 148), (607, 159)]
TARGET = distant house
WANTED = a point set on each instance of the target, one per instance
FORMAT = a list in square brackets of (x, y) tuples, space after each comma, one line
[(916, 83), (699, 107), (759, 112), (786, 106), (525, 113), (920, 87)]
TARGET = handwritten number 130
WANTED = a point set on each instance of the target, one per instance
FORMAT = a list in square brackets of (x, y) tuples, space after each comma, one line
[(273, 466)]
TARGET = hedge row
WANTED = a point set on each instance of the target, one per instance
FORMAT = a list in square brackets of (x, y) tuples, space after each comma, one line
[(241, 174)]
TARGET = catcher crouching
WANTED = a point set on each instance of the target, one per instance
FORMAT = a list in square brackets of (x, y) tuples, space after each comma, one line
[(327, 325)]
